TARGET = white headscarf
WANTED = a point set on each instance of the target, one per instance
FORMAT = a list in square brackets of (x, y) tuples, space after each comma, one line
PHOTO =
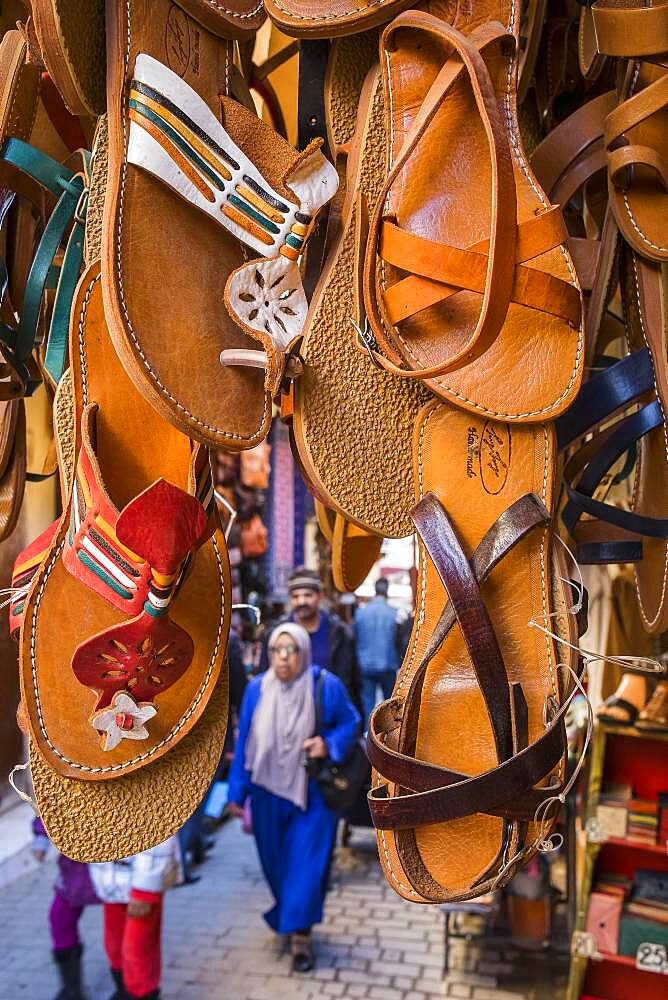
[(283, 719)]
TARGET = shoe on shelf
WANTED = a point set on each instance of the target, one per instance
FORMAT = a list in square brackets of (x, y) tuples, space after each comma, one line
[(624, 706), (654, 716)]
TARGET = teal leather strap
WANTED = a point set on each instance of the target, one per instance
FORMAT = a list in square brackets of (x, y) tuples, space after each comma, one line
[(41, 167), (56, 351), (72, 199)]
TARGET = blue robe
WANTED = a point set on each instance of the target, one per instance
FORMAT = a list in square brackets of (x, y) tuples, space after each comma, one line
[(295, 845)]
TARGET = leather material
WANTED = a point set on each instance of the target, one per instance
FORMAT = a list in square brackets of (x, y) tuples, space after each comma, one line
[(445, 724), (133, 448), (636, 137), (331, 18), (146, 224), (630, 31), (645, 293), (436, 172), (353, 550), (353, 423)]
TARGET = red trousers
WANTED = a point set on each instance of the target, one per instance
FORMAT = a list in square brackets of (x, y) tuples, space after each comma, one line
[(132, 944)]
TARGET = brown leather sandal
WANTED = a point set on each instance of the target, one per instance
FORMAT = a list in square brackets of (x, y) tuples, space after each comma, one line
[(189, 166), (126, 700), (475, 724), (571, 166), (482, 269)]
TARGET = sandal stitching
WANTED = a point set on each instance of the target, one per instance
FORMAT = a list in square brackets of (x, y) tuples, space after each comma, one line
[(629, 211), (173, 732), (232, 13), (521, 161), (328, 17), (257, 434), (651, 622)]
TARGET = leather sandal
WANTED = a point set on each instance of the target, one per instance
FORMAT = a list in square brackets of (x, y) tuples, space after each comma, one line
[(491, 275), (474, 730), (71, 39), (654, 716), (353, 550), (362, 467), (219, 181), (571, 166), (603, 531), (623, 707), (130, 703)]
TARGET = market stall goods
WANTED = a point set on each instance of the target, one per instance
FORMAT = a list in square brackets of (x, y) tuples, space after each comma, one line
[(190, 167), (149, 641), (354, 551), (473, 726)]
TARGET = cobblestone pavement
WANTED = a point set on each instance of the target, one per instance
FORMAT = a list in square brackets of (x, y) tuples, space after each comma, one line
[(216, 945)]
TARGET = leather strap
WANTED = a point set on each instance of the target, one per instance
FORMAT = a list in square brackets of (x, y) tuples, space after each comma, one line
[(440, 539), (610, 448), (440, 271), (311, 124), (443, 794), (630, 31), (602, 396), (568, 141), (500, 264), (68, 187), (388, 723)]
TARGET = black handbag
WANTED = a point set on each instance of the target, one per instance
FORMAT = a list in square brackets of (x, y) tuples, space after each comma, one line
[(340, 784)]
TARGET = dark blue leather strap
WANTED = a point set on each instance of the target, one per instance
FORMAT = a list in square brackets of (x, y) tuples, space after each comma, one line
[(625, 434), (606, 393)]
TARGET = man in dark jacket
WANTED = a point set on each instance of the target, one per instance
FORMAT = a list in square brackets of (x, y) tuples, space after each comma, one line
[(332, 641)]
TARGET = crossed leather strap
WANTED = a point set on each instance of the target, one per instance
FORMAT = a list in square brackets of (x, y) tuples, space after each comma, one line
[(429, 793), (493, 267)]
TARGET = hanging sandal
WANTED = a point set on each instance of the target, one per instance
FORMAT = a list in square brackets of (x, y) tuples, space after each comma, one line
[(491, 274), (354, 551), (360, 467), (221, 182), (478, 708), (139, 707)]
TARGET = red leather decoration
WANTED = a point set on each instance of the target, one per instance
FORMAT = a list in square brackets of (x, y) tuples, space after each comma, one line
[(143, 656), (162, 525)]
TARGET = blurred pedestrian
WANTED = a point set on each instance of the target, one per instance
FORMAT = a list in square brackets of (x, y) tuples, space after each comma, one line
[(376, 636), (132, 891), (332, 640), (73, 890), (293, 828)]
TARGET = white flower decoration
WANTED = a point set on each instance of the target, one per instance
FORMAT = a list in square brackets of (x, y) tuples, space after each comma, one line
[(123, 720), (267, 296)]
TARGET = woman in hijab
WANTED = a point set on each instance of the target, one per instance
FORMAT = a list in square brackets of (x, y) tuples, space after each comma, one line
[(293, 828)]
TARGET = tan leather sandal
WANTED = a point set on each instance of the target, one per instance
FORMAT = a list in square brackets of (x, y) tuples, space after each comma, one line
[(468, 282), (471, 746), (360, 467), (127, 699), (353, 550), (189, 166)]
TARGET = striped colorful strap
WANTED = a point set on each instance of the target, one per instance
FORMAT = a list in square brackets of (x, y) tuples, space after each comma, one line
[(96, 550)]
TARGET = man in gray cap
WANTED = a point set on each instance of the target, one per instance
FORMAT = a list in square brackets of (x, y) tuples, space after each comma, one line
[(332, 641)]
